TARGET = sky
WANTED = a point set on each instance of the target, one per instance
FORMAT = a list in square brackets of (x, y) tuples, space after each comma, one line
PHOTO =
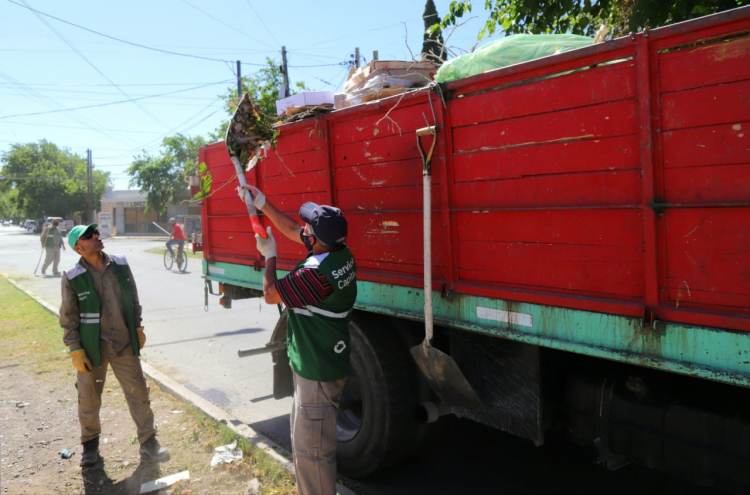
[(134, 96)]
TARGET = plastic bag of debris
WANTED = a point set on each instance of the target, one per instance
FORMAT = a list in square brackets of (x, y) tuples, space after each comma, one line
[(507, 51)]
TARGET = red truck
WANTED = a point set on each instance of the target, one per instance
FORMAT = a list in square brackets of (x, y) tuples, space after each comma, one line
[(589, 263)]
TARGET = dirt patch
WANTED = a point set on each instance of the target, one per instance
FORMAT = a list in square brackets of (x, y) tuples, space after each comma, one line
[(38, 420)]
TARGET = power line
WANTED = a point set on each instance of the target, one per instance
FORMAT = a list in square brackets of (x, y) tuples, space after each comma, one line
[(169, 52), (262, 23), (80, 54), (105, 104), (109, 85), (225, 24)]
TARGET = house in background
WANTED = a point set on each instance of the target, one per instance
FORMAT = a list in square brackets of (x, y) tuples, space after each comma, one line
[(129, 217)]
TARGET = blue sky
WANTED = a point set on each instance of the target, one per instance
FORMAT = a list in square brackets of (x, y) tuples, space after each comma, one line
[(48, 67)]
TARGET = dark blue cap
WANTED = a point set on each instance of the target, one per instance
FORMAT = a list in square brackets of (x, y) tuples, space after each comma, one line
[(327, 222)]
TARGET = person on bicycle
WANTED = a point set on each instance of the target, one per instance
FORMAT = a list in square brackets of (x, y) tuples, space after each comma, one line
[(177, 237)]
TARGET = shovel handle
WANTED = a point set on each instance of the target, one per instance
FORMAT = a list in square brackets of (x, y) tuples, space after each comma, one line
[(257, 227)]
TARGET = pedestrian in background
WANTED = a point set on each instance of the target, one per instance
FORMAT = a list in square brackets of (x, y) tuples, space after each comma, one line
[(101, 319), (52, 242), (319, 295)]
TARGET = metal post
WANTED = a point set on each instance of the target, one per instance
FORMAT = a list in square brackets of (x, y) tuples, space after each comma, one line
[(285, 72), (356, 57), (89, 180), (239, 82), (375, 55)]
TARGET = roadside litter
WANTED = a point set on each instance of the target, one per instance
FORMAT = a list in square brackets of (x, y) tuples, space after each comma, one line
[(165, 482), (66, 454), (226, 454)]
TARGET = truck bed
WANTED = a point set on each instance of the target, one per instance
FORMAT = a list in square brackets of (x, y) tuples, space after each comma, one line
[(613, 179)]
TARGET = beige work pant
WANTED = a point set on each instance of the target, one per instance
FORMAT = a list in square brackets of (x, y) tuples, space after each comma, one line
[(128, 371), (52, 256), (313, 421)]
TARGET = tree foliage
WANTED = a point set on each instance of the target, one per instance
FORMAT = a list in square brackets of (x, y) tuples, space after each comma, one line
[(263, 88), (8, 209), (584, 16), (42, 179), (163, 177), (432, 44)]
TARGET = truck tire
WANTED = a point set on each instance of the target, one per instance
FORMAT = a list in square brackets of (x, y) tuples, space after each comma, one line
[(377, 423)]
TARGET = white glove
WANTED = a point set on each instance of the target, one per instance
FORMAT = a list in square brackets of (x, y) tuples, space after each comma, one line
[(267, 247), (259, 199)]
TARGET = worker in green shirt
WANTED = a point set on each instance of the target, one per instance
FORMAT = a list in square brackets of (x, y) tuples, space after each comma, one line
[(52, 241), (319, 295)]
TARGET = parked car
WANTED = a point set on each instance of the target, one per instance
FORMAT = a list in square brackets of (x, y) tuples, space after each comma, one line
[(6, 223), (30, 225)]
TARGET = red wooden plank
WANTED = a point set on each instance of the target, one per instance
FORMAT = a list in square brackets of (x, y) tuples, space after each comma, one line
[(682, 296), (305, 161), (620, 227), (618, 153), (310, 137), (391, 199), (598, 121), (393, 237), (695, 66), (304, 182), (402, 120), (380, 175), (600, 85), (709, 250), (389, 149), (591, 189), (600, 280), (723, 184), (710, 105), (715, 145)]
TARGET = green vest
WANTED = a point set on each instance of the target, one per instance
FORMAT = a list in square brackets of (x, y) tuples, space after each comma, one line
[(50, 241), (318, 335), (89, 306)]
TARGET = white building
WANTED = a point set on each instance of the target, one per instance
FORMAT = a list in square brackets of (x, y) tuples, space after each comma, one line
[(129, 217)]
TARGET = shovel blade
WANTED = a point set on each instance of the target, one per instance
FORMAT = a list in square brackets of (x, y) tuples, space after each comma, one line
[(247, 130), (445, 377)]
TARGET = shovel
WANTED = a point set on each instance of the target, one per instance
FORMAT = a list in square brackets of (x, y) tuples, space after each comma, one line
[(245, 136), (440, 370)]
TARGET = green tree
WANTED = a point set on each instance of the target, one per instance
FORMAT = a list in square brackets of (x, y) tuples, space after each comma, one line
[(584, 16), (8, 209), (48, 180), (263, 88), (432, 44), (164, 176)]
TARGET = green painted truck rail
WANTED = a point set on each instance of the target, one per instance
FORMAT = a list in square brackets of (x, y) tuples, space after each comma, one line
[(711, 353)]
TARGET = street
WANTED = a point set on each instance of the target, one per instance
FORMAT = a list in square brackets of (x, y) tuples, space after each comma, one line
[(199, 349)]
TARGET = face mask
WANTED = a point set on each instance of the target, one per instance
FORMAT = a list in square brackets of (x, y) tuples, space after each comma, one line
[(306, 240)]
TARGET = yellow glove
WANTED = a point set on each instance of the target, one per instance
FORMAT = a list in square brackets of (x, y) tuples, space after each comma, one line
[(141, 337), (81, 361)]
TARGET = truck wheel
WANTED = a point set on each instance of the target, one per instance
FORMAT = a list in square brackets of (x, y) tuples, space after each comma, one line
[(377, 423)]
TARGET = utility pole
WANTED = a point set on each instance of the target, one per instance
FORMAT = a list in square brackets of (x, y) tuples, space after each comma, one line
[(239, 82), (374, 54), (89, 176), (356, 57), (284, 72)]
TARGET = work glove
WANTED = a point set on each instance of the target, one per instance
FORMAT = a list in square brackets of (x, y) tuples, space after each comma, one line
[(267, 247), (81, 361), (259, 199), (141, 337)]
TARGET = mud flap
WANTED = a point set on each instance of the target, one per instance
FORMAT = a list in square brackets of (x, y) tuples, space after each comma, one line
[(283, 384)]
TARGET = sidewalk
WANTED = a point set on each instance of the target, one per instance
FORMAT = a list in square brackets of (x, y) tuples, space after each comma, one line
[(176, 391)]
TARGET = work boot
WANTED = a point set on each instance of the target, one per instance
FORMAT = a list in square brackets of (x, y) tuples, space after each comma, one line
[(151, 451), (90, 454)]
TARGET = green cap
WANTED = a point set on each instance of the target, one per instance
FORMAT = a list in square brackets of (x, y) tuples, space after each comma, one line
[(77, 232)]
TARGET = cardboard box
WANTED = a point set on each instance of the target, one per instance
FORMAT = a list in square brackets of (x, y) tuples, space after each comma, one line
[(421, 72), (304, 99)]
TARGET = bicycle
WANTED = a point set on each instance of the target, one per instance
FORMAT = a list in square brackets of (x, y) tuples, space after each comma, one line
[(181, 260)]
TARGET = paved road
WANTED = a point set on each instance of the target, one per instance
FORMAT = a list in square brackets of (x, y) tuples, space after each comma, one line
[(199, 349)]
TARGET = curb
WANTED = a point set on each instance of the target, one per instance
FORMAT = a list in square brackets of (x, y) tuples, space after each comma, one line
[(271, 448)]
